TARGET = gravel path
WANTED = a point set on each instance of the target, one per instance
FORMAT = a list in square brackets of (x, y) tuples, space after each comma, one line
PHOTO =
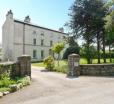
[(56, 88)]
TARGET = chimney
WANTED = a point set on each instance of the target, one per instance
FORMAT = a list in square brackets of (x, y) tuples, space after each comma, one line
[(9, 14), (61, 29), (27, 19)]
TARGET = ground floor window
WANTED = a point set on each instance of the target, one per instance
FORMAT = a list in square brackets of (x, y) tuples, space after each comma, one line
[(34, 41), (50, 52), (42, 54), (34, 54)]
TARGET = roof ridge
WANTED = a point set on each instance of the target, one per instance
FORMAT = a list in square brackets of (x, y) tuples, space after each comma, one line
[(33, 24)]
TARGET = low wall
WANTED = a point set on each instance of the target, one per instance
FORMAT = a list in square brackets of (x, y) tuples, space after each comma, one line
[(16, 69), (97, 69), (6, 68)]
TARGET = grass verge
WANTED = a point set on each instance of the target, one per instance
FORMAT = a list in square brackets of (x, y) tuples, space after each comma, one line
[(63, 65)]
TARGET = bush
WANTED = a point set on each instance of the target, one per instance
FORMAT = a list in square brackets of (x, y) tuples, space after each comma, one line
[(62, 69), (25, 81), (91, 53), (5, 82), (70, 50), (4, 89), (49, 62)]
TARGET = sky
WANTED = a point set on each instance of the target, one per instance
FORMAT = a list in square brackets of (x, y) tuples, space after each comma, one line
[(48, 13)]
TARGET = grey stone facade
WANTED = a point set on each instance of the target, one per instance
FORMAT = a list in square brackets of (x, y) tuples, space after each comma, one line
[(23, 37)]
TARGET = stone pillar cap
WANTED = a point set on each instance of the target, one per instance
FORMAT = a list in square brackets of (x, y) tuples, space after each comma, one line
[(74, 55), (22, 56)]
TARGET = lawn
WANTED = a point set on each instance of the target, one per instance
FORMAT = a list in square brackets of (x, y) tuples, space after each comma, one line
[(94, 61), (39, 64), (63, 66), (63, 63)]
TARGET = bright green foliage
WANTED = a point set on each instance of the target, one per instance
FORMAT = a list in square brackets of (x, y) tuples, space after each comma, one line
[(57, 48), (40, 64), (49, 62), (25, 81), (4, 89), (109, 27), (5, 82)]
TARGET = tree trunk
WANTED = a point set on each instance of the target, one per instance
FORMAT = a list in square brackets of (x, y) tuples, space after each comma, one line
[(88, 48), (98, 49), (110, 54), (104, 55), (58, 59)]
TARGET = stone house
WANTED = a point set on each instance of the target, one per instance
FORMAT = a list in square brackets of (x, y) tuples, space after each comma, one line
[(23, 37)]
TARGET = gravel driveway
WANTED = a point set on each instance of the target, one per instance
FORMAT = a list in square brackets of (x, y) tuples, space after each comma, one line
[(56, 88)]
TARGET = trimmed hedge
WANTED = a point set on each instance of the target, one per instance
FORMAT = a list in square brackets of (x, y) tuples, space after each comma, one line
[(70, 50)]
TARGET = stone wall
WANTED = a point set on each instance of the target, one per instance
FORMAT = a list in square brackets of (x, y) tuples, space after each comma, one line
[(20, 68), (97, 69), (6, 68)]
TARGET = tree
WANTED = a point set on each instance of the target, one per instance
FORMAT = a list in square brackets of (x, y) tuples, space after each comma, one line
[(84, 52), (72, 42), (109, 28), (57, 48), (71, 50), (87, 21)]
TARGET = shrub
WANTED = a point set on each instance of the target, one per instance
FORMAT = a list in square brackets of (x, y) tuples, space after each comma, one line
[(91, 53), (49, 62), (25, 81), (5, 71), (70, 50), (62, 69), (5, 82), (4, 89)]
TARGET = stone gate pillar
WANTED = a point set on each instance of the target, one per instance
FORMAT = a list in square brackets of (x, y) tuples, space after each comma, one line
[(73, 64), (25, 65)]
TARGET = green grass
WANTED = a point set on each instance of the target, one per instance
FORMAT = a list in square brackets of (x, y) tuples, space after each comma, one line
[(63, 65), (39, 64), (94, 61)]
